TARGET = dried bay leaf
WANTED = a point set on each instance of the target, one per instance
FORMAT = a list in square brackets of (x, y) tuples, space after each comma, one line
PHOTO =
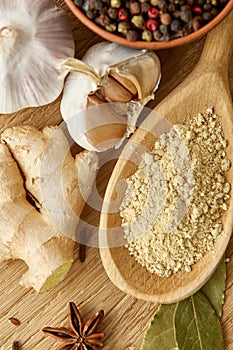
[(215, 287), (160, 335), (197, 326)]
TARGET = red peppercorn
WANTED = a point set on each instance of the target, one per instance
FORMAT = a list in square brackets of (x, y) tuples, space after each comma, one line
[(151, 24), (153, 12), (197, 10), (123, 14)]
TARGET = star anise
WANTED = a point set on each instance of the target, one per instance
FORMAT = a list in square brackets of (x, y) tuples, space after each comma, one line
[(80, 336)]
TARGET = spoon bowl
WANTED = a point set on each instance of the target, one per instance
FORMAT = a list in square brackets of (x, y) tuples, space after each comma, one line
[(206, 86)]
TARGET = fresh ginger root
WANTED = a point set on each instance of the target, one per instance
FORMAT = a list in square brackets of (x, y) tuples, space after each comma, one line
[(44, 236)]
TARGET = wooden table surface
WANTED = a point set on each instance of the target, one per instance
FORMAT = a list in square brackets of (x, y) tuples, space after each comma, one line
[(126, 319)]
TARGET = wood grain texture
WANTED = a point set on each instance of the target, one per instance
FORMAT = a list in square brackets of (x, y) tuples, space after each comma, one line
[(87, 284)]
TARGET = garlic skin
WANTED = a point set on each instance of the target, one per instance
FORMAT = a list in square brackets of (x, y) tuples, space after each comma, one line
[(100, 56), (34, 36), (105, 93)]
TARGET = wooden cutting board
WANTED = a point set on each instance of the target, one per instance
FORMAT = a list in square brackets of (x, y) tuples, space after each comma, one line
[(87, 284)]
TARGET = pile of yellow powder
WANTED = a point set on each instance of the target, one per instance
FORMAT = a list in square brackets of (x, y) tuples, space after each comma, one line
[(172, 209)]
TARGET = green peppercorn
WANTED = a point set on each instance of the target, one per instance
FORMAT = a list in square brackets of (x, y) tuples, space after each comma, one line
[(111, 27), (123, 27), (147, 35), (115, 3), (154, 2), (138, 21)]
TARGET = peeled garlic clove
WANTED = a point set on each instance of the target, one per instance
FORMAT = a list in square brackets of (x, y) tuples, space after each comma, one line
[(34, 36), (91, 124), (124, 82), (113, 91), (143, 72)]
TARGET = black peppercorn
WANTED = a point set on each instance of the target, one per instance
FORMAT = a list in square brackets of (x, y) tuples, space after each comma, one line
[(157, 35), (103, 20), (206, 16), (163, 29), (200, 2), (196, 23), (132, 35), (207, 6), (91, 14), (162, 4), (171, 7), (86, 5), (134, 7), (112, 12), (187, 28), (78, 3), (145, 7), (97, 4), (214, 12), (185, 14), (176, 25), (176, 14)]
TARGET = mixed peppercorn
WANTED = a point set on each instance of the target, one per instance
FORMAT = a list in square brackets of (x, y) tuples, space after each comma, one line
[(151, 20)]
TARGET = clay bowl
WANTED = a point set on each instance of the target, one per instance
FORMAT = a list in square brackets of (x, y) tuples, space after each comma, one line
[(149, 45)]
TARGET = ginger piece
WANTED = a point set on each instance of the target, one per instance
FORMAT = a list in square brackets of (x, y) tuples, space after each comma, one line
[(35, 235)]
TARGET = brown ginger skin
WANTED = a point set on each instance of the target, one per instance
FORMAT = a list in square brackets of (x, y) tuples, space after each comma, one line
[(29, 233)]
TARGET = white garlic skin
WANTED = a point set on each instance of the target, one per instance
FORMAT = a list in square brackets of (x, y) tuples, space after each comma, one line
[(86, 124), (34, 36)]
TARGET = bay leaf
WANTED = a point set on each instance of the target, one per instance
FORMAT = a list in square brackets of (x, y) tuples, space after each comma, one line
[(160, 334), (215, 287), (197, 326)]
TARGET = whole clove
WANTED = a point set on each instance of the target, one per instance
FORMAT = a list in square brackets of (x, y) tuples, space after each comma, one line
[(15, 345)]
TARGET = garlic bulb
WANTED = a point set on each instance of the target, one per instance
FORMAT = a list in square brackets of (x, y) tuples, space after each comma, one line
[(105, 93), (34, 36)]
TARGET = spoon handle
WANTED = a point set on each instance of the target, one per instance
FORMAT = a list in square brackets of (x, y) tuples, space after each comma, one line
[(218, 47)]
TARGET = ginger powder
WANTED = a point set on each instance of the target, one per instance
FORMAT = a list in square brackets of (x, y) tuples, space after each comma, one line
[(172, 210)]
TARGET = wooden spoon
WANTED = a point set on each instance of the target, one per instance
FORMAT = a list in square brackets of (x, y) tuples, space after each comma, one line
[(207, 85)]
